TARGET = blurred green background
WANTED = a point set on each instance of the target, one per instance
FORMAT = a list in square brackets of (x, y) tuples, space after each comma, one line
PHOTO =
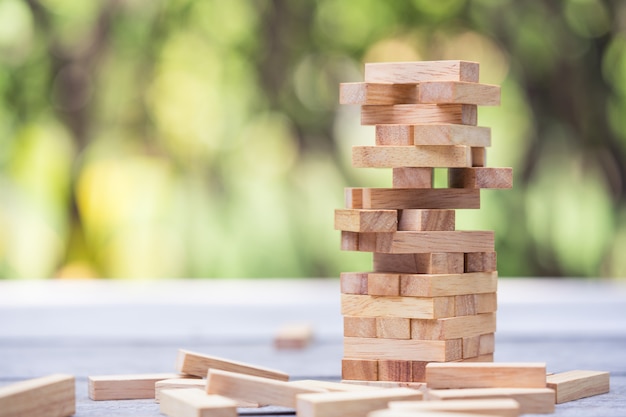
[(148, 139)]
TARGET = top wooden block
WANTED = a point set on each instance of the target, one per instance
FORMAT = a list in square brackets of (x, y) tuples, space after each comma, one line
[(420, 71)]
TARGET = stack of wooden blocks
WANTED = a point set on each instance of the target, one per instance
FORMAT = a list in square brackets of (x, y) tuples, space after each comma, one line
[(431, 294)]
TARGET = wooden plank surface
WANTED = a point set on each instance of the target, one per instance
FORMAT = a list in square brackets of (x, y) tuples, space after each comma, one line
[(411, 156), (421, 71), (412, 114), (47, 396), (412, 198)]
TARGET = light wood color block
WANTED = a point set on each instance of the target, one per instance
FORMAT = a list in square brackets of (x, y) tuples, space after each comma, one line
[(441, 263), (504, 407), (480, 177), (441, 285), (412, 198), (485, 375), (353, 282), (426, 242), (375, 93), (351, 404), (479, 157), (465, 305), (177, 383), (393, 328), (359, 369), (531, 400), (487, 344), (293, 336), (413, 114), (331, 386), (383, 284), (421, 71), (443, 134), (470, 347), (412, 177), (388, 384), (359, 326), (396, 349), (48, 396), (405, 307), (365, 221), (481, 262), (390, 370), (454, 327), (255, 389), (459, 92), (125, 387), (574, 385), (196, 403), (485, 303), (387, 412), (419, 220), (411, 156), (198, 364)]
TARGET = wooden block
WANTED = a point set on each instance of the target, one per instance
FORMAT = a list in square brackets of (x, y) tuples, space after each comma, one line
[(349, 241), (574, 385), (48, 396), (354, 220), (411, 156), (353, 282), (198, 364), (391, 262), (293, 336), (440, 263), (359, 326), (375, 93), (465, 305), (125, 387), (481, 262), (395, 135), (254, 389), (479, 157), (485, 375), (418, 371), (421, 71), (351, 404), (393, 328), (505, 407), (383, 284), (487, 343), (332, 386), (531, 400), (443, 134), (485, 303), (405, 307), (419, 220), (454, 327), (426, 242), (387, 384), (480, 177), (390, 370), (412, 198), (177, 383), (397, 349), (196, 403), (359, 369), (413, 114), (441, 285), (471, 346), (436, 92), (480, 358), (411, 177)]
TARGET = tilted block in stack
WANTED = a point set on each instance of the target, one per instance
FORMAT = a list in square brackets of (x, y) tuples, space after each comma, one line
[(431, 294)]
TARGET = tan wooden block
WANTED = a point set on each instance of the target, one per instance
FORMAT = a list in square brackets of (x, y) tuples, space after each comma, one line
[(359, 369), (177, 383), (426, 242), (481, 262), (471, 347), (480, 358), (48, 396), (398, 349), (440, 263), (331, 386), (393, 328), (419, 220), (349, 241), (504, 407), (486, 303), (480, 177), (359, 326), (196, 403), (418, 371), (391, 262), (465, 305), (375, 93), (354, 220), (395, 135), (125, 387), (353, 282), (437, 92), (383, 284), (411, 156), (444, 134), (485, 375), (390, 370), (454, 327), (413, 114), (487, 342), (351, 404), (293, 336), (531, 400), (441, 285), (574, 385), (479, 157), (421, 71), (412, 198), (412, 177), (198, 364), (405, 307), (387, 384)]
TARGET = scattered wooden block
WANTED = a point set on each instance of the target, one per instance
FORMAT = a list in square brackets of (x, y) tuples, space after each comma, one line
[(411, 156), (375, 93), (48, 396), (359, 326), (331, 386), (411, 177), (454, 327), (421, 71), (437, 92), (426, 242), (410, 350), (387, 412), (485, 375), (359, 369), (198, 364), (480, 177), (196, 403), (404, 307), (383, 284), (355, 220), (350, 404), (419, 220), (574, 385), (481, 262), (413, 114), (387, 384), (441, 285), (505, 407), (393, 328), (531, 400), (443, 134), (125, 387), (353, 282), (479, 157), (177, 383), (293, 336), (412, 198), (395, 370)]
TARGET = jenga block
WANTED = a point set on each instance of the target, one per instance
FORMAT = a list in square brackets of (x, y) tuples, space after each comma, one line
[(406, 307), (366, 220), (413, 114), (393, 328), (390, 370), (531, 400), (198, 364), (177, 383), (459, 92), (418, 371), (485, 375), (396, 135), (349, 240), (383, 284), (479, 157), (441, 285), (331, 386), (359, 369), (471, 346), (440, 263), (387, 384), (487, 343), (359, 326), (443, 134), (398, 349), (485, 303), (411, 177), (505, 407), (374, 93), (125, 387), (421, 71), (419, 220), (392, 262), (411, 156), (412, 198), (353, 282), (426, 242), (480, 262), (574, 385), (465, 305), (48, 396), (293, 336), (196, 403), (480, 358), (454, 327), (350, 404), (254, 389), (479, 177)]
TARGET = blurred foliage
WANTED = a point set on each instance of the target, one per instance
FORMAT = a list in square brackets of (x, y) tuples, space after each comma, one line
[(203, 138)]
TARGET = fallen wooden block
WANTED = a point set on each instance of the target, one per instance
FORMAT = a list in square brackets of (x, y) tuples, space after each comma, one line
[(407, 350), (421, 71), (387, 412), (423, 156), (531, 400), (331, 386), (480, 177), (454, 327), (354, 220), (412, 198), (410, 242), (125, 387), (293, 336), (350, 404), (437, 92), (442, 285), (48, 396), (387, 384), (505, 407), (404, 307), (574, 385), (443, 134), (413, 114), (485, 375), (195, 403), (177, 383), (197, 364)]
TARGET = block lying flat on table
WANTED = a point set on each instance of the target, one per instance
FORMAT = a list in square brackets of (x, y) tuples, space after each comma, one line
[(293, 336), (454, 327), (531, 400), (505, 407), (387, 412), (413, 114), (397, 349), (196, 403), (423, 156), (480, 177), (387, 384), (437, 92), (376, 93), (420, 71), (404, 307), (574, 385), (442, 285), (355, 220), (486, 375), (350, 404), (433, 134), (177, 383), (426, 242), (412, 177), (331, 386), (48, 396), (126, 387), (412, 198), (198, 364)]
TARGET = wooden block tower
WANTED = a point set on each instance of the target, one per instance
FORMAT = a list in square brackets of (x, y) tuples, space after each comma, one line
[(431, 293)]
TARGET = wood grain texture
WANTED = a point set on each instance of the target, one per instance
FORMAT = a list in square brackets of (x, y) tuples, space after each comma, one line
[(393, 328), (198, 364), (421, 71), (383, 284), (392, 370), (436, 92), (349, 240), (486, 375), (177, 383), (331, 386), (440, 263), (441, 285), (353, 282), (442, 134), (454, 327), (411, 156), (412, 198), (531, 400), (377, 93), (574, 385), (356, 220), (412, 177), (125, 387), (426, 242), (480, 177), (481, 262), (196, 403), (470, 347), (420, 220), (359, 369), (504, 407), (413, 114), (405, 350), (354, 326), (48, 396), (405, 307)]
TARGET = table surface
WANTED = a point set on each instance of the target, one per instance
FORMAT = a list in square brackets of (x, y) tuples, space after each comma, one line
[(120, 327)]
